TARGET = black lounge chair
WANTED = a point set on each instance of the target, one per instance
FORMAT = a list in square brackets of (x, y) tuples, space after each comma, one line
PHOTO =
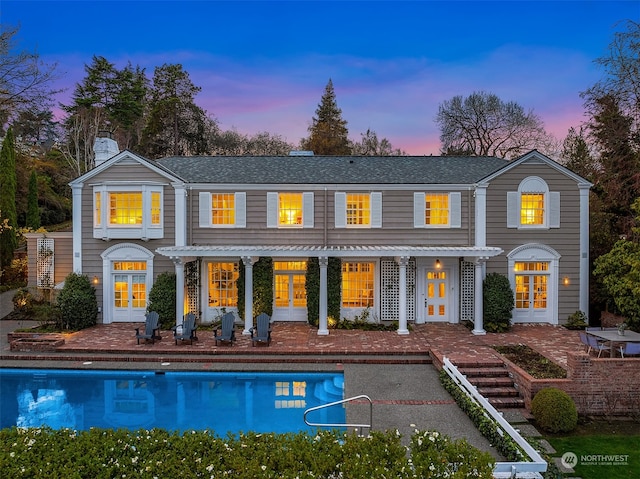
[(262, 332), (151, 328), (187, 330), (226, 332)]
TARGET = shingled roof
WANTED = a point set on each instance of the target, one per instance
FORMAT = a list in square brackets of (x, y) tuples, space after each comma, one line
[(332, 169)]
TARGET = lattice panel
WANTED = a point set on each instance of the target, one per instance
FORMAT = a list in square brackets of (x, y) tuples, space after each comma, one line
[(192, 285), (45, 264), (467, 290), (389, 291)]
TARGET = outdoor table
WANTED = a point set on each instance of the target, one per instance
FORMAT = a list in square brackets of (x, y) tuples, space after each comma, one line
[(613, 337)]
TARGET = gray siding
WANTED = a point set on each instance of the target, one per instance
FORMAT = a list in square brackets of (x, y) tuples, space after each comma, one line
[(397, 223), (565, 240), (92, 248)]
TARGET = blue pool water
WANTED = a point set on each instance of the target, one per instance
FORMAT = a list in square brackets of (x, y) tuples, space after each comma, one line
[(220, 402)]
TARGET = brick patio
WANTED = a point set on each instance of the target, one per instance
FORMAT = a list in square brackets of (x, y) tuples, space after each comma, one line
[(117, 341)]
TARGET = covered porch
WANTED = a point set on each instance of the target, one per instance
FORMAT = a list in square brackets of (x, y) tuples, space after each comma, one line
[(474, 258)]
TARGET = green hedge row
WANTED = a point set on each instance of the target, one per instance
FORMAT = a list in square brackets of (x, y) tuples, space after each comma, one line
[(104, 453)]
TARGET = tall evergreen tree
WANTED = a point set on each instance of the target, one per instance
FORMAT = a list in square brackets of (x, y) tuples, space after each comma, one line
[(33, 212), (8, 184), (176, 125), (328, 133)]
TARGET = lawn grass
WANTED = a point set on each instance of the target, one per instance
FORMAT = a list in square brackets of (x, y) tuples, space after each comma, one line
[(602, 439)]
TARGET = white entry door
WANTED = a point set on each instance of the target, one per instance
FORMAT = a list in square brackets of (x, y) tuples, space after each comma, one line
[(532, 292), (289, 291), (436, 296), (129, 291)]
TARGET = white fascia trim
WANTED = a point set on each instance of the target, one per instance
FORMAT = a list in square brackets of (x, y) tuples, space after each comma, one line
[(328, 187)]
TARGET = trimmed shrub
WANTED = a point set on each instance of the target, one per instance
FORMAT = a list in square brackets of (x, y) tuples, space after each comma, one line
[(554, 410), (77, 303), (497, 303), (577, 320), (162, 299)]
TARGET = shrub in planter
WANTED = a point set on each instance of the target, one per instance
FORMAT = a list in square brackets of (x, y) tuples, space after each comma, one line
[(162, 299), (497, 303), (77, 303), (554, 410)]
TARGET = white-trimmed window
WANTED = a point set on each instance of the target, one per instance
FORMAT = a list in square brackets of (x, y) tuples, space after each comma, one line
[(533, 205), (358, 210), (437, 210), (358, 284), (128, 212), (290, 210), (222, 210), (223, 284)]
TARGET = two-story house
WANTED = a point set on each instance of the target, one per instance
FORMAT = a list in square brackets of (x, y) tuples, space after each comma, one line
[(415, 235)]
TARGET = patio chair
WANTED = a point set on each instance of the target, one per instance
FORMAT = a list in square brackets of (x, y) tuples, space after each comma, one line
[(597, 345), (630, 349), (151, 328), (262, 332), (186, 330), (585, 341), (226, 332)]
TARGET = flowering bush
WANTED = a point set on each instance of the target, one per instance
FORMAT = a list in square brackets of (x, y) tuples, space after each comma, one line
[(156, 453)]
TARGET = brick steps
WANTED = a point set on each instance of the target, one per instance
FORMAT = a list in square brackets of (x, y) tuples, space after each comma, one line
[(493, 381)]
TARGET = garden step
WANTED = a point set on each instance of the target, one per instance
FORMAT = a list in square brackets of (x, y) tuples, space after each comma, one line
[(506, 402), (499, 392), (491, 381), (484, 371)]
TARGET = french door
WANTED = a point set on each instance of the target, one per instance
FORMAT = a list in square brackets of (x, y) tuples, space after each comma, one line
[(129, 282), (290, 293)]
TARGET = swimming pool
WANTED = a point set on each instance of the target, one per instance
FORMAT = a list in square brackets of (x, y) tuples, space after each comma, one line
[(222, 402)]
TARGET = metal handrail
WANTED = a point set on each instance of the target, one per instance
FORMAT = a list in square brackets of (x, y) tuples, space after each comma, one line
[(335, 403)]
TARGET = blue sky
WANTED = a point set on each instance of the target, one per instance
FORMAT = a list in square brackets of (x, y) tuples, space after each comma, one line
[(263, 65)]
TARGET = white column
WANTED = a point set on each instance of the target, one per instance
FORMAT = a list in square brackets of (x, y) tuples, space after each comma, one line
[(584, 249), (179, 266), (478, 323), (402, 296), (248, 293), (323, 330)]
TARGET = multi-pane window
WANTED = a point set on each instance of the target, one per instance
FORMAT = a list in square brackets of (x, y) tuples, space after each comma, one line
[(357, 285), (436, 209), (124, 212), (290, 209), (223, 209), (97, 209), (125, 208), (223, 285), (532, 209), (156, 209), (358, 209)]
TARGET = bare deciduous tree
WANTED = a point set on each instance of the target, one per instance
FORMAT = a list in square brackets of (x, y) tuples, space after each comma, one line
[(484, 125), (25, 81)]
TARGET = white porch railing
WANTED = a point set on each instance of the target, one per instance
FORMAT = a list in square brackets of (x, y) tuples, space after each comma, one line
[(528, 469)]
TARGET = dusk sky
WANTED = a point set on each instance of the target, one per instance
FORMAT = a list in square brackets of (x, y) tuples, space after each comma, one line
[(263, 65)]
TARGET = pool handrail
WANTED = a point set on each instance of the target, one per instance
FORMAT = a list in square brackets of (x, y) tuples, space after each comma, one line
[(335, 403)]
